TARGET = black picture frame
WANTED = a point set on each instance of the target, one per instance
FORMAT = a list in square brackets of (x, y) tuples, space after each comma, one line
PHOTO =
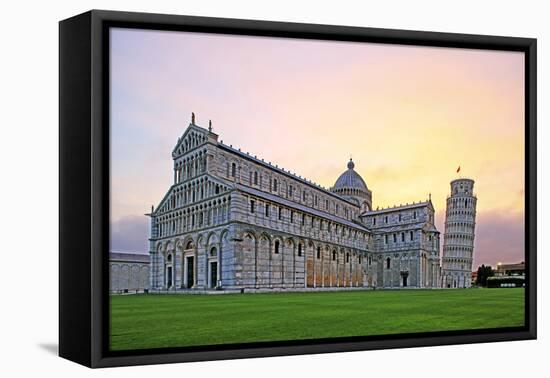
[(84, 185)]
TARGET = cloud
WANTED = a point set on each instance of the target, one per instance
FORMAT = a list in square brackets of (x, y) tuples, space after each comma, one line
[(130, 234), (409, 115), (500, 237)]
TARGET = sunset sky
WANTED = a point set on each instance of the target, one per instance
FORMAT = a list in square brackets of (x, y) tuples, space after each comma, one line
[(409, 116)]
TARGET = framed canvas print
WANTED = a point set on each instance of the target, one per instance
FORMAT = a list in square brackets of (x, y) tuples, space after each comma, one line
[(234, 188)]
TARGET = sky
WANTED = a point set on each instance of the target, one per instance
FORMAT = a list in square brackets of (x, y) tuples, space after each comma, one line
[(408, 115)]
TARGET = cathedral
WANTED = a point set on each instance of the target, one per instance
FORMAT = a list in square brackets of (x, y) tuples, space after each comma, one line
[(232, 221)]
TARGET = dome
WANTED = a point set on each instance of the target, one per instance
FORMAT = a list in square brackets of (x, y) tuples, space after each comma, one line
[(350, 179)]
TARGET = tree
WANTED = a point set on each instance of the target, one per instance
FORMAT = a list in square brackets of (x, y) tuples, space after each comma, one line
[(484, 272)]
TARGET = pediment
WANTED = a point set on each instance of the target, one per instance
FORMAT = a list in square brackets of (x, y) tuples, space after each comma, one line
[(193, 137)]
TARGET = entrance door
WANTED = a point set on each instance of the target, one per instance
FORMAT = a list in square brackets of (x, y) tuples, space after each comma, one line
[(190, 271), (404, 278), (169, 278), (213, 274)]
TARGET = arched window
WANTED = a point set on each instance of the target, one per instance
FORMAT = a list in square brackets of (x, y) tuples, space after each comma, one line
[(388, 263), (318, 252), (233, 169), (169, 258), (275, 187), (276, 246), (347, 257), (411, 235), (333, 255), (213, 252), (299, 250), (255, 178)]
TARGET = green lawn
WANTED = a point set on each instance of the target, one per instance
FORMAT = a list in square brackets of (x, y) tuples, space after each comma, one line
[(155, 321)]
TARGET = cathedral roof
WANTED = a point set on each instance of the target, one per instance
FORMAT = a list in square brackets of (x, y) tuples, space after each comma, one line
[(399, 208), (350, 179), (283, 172), (300, 207)]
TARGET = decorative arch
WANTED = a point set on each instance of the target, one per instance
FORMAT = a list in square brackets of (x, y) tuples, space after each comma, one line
[(277, 241), (160, 247), (249, 233), (290, 242), (188, 243), (263, 261), (223, 237), (201, 241), (212, 238), (170, 246), (266, 236)]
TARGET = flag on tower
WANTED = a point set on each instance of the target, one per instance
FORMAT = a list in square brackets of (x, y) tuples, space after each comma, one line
[(458, 169)]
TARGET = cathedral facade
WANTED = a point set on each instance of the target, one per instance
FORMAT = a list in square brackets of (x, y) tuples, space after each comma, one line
[(232, 221)]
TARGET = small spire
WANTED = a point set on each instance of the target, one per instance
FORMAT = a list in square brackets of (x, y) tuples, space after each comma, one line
[(351, 165), (192, 118), (430, 196), (210, 125)]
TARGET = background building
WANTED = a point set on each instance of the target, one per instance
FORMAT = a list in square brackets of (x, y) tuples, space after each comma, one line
[(515, 269), (508, 275), (232, 221), (458, 243), (129, 272)]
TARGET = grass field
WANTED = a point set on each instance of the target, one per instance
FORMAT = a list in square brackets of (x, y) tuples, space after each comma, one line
[(155, 321)]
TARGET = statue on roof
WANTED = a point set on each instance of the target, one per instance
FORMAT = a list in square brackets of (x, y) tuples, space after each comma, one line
[(210, 125), (192, 118)]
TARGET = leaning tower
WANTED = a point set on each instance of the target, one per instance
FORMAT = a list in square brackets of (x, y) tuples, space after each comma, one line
[(458, 244)]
